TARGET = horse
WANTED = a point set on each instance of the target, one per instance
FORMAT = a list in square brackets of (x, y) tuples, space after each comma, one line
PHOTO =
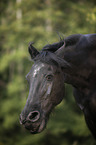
[(71, 60)]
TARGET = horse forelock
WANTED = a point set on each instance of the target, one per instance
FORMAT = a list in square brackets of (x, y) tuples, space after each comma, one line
[(47, 57)]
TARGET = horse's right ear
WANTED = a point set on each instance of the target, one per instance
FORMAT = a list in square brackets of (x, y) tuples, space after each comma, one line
[(32, 50)]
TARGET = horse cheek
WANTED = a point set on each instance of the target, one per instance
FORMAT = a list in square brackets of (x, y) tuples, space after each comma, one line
[(58, 94)]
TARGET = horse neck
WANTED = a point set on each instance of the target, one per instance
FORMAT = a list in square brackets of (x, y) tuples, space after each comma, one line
[(78, 74)]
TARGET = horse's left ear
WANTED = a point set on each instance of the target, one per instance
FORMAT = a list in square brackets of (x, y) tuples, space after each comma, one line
[(69, 42), (60, 50), (67, 66), (53, 47), (32, 50)]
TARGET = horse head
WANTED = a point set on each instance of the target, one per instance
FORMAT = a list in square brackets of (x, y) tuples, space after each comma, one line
[(46, 88)]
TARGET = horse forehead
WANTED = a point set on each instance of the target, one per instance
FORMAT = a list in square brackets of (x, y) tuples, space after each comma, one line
[(37, 68)]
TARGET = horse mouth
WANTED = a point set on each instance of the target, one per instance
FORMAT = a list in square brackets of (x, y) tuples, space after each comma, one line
[(37, 128)]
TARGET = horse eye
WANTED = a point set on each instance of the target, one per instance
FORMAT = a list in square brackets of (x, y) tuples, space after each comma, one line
[(49, 77)]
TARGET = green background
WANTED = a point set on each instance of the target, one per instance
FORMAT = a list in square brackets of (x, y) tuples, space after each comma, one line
[(22, 21)]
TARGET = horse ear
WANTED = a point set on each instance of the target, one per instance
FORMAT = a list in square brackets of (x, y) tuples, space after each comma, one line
[(69, 42), (53, 47), (60, 50), (66, 65), (32, 50)]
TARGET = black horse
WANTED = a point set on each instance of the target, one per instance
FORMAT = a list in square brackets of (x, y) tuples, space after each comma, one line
[(72, 61)]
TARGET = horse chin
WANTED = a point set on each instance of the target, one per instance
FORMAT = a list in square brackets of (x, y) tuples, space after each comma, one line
[(42, 126)]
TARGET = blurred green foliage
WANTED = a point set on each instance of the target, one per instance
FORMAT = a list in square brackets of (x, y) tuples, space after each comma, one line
[(22, 21)]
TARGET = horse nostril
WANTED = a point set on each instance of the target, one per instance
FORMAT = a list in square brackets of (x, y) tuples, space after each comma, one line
[(34, 116)]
